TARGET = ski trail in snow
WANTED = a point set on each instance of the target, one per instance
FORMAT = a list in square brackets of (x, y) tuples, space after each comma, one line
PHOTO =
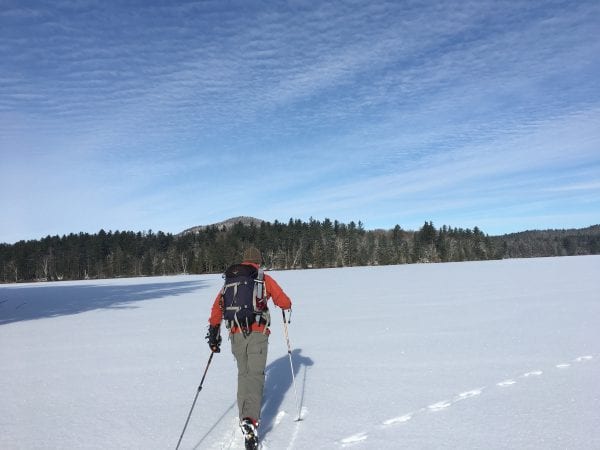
[(279, 417), (506, 383), (584, 358), (563, 366), (276, 422), (294, 436), (303, 412), (231, 438)]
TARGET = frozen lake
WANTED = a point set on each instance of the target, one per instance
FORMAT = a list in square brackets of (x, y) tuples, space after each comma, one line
[(496, 354)]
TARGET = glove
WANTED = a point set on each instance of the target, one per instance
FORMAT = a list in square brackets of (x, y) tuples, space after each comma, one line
[(214, 338)]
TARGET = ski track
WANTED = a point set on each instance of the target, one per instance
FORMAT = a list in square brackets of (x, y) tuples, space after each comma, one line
[(303, 413), (279, 417), (230, 438), (445, 404), (233, 438)]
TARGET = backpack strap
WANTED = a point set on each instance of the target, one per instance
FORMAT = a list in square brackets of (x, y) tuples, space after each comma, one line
[(235, 289), (259, 285), (260, 294)]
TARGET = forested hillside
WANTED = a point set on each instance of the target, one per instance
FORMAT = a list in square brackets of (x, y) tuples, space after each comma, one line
[(527, 244), (294, 245)]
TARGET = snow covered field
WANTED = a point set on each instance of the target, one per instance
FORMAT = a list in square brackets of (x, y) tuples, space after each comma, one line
[(498, 354)]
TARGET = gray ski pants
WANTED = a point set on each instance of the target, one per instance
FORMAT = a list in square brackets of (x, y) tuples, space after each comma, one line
[(251, 356)]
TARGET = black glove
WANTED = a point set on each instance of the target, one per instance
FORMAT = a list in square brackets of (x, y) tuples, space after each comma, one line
[(214, 338)]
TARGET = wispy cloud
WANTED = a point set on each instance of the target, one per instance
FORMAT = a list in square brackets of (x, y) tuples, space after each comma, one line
[(350, 109), (591, 186)]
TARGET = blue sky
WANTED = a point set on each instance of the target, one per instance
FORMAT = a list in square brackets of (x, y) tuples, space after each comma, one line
[(137, 115)]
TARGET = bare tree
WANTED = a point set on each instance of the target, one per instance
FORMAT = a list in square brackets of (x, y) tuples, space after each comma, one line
[(14, 268), (45, 265), (184, 262)]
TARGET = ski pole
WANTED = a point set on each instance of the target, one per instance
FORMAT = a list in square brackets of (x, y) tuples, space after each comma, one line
[(287, 338), (195, 398)]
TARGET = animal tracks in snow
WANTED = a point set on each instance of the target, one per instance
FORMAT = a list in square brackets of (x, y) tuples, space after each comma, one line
[(435, 407), (359, 437), (395, 420), (466, 395), (439, 406), (535, 373)]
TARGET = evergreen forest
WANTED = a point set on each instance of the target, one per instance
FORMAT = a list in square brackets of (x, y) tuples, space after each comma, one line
[(293, 245)]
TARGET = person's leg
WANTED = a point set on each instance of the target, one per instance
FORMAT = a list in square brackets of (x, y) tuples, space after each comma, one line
[(239, 346), (251, 356), (255, 379)]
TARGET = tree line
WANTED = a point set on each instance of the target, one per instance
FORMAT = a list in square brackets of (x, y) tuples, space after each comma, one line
[(293, 245), (526, 244)]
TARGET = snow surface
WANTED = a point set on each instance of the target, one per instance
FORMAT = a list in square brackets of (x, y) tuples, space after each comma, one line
[(498, 354)]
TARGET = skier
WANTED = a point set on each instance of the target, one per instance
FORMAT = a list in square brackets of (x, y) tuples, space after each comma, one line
[(246, 315)]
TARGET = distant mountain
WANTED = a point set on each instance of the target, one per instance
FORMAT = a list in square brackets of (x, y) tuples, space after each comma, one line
[(229, 223)]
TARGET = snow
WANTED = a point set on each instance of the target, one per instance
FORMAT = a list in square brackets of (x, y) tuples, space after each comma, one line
[(497, 354)]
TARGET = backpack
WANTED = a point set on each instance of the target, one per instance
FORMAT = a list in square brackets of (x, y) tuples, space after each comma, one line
[(243, 297)]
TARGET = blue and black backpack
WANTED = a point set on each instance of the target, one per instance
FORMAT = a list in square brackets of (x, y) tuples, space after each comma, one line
[(244, 300)]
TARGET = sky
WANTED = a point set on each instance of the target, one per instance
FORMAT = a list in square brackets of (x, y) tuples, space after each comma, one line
[(138, 115)]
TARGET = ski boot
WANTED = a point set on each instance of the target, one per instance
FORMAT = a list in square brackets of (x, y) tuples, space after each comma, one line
[(250, 430)]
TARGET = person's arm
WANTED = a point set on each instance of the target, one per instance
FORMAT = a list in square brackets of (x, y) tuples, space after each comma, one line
[(216, 313), (274, 291), (213, 336)]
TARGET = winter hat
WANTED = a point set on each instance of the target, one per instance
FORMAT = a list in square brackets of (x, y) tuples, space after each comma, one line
[(252, 254)]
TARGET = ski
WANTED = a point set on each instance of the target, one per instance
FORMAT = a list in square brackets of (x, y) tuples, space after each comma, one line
[(251, 444), (250, 431)]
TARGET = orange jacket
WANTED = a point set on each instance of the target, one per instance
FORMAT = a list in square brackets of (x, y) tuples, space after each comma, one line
[(272, 290)]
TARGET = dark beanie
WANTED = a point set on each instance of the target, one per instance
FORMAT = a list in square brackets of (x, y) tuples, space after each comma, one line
[(252, 254)]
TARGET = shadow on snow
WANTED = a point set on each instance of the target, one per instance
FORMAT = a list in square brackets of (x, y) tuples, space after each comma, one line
[(278, 383), (53, 300)]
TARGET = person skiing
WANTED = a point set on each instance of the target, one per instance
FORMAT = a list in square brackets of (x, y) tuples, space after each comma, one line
[(242, 304)]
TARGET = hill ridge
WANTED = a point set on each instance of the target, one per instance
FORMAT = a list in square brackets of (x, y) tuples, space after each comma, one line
[(227, 223)]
